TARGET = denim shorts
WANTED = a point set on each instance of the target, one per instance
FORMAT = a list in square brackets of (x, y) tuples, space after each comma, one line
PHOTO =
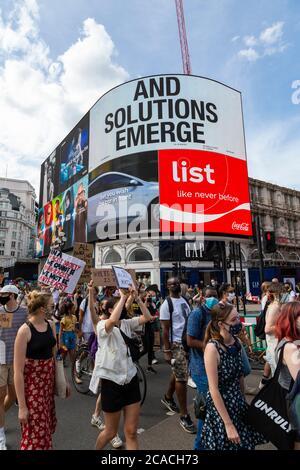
[(69, 339)]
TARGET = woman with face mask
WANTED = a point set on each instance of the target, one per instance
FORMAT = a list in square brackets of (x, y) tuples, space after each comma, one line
[(287, 331), (114, 366), (35, 349), (226, 294), (224, 426)]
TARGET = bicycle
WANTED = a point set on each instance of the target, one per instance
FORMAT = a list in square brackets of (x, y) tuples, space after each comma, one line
[(83, 366)]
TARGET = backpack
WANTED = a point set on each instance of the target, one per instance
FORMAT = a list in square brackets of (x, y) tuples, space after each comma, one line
[(184, 332), (259, 329), (134, 346)]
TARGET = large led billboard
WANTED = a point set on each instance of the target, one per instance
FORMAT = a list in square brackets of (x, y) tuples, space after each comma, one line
[(156, 153), (195, 126)]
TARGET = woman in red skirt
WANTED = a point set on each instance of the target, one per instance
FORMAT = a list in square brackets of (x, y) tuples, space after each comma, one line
[(34, 374)]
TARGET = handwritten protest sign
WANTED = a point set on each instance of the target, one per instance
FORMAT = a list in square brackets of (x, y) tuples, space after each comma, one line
[(106, 277), (61, 271), (84, 251), (103, 277), (124, 279)]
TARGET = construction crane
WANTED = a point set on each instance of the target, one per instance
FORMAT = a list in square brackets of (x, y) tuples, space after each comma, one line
[(187, 68)]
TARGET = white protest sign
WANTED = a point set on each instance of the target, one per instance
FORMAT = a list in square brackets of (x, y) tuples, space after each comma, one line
[(61, 271), (123, 278)]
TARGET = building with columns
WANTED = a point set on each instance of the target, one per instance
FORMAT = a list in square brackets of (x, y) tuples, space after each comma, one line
[(17, 224)]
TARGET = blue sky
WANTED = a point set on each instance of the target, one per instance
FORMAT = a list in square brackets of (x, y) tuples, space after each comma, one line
[(57, 57)]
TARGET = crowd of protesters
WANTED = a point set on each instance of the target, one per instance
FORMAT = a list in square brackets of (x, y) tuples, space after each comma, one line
[(202, 338)]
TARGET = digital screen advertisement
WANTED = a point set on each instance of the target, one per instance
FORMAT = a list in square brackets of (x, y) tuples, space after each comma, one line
[(159, 155)]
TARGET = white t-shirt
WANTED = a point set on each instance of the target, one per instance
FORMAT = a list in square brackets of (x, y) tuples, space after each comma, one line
[(87, 324), (180, 313), (112, 360)]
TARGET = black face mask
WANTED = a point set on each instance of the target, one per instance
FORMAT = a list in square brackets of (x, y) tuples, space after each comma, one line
[(4, 300), (175, 289)]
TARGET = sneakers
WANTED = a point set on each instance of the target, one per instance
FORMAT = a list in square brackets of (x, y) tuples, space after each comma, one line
[(116, 442), (154, 361), (170, 404), (3, 443), (187, 424), (191, 383), (98, 422)]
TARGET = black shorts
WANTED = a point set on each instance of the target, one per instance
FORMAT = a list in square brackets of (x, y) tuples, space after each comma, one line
[(114, 397)]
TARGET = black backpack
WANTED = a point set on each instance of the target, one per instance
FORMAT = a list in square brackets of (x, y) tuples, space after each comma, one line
[(259, 329), (184, 332), (133, 345)]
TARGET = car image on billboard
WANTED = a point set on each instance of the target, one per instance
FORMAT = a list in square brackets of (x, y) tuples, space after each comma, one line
[(122, 192)]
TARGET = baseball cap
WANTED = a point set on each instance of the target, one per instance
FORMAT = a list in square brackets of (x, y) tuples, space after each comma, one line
[(9, 289)]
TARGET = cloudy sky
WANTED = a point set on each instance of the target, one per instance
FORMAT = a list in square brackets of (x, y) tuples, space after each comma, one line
[(58, 57)]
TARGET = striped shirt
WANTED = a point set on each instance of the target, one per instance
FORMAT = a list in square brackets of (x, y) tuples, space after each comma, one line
[(8, 335)]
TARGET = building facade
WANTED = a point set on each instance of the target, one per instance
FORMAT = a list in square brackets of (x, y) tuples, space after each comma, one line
[(17, 222), (279, 210)]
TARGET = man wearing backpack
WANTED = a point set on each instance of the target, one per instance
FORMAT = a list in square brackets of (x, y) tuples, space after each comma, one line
[(173, 315), (197, 323)]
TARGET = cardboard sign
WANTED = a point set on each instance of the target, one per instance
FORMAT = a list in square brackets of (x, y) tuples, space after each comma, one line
[(61, 271), (103, 277), (6, 320), (84, 251), (106, 277), (124, 279)]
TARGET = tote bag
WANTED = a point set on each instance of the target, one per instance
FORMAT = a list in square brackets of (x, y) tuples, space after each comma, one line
[(269, 412), (60, 380)]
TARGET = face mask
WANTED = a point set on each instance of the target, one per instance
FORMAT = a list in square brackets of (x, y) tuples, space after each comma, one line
[(235, 329), (4, 300), (175, 289), (153, 299), (210, 302), (231, 296)]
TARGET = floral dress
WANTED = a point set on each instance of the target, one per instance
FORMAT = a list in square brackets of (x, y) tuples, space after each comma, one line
[(39, 378), (214, 436)]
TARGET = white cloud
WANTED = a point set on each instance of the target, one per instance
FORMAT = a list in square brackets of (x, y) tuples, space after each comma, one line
[(249, 54), (273, 34), (235, 38), (250, 41), (273, 149), (42, 98), (269, 42)]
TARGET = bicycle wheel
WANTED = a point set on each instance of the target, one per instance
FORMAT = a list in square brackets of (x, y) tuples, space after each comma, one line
[(142, 382), (82, 370)]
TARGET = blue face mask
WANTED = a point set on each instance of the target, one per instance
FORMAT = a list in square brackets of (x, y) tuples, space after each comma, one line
[(210, 302), (235, 329)]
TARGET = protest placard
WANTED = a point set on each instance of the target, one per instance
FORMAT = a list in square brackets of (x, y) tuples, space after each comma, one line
[(84, 251), (103, 277), (61, 271), (106, 277), (124, 278)]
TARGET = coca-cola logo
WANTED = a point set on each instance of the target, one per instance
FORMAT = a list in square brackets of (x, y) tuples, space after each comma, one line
[(243, 226)]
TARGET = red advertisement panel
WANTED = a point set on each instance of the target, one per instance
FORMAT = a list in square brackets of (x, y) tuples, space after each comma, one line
[(204, 189)]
